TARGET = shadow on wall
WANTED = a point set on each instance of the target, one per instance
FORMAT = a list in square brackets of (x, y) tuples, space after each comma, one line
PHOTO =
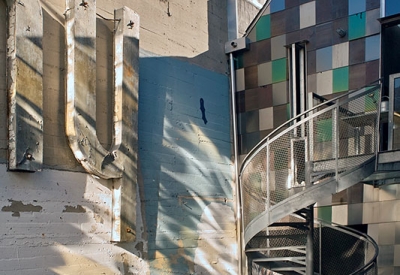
[(185, 176), (185, 166)]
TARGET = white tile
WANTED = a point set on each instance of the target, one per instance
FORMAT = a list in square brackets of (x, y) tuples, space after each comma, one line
[(264, 74), (324, 83), (266, 120), (339, 214), (389, 211), (371, 212), (340, 55), (387, 192), (307, 15), (240, 80), (373, 231)]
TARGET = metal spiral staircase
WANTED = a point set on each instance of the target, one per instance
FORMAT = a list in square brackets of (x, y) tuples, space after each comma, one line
[(320, 152)]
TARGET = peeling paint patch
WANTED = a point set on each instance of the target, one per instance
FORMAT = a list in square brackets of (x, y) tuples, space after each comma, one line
[(74, 209), (17, 206)]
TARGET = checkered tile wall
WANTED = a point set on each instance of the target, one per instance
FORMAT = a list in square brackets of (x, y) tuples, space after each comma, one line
[(334, 64)]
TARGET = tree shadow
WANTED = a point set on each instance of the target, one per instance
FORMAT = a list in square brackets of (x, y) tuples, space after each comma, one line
[(185, 167)]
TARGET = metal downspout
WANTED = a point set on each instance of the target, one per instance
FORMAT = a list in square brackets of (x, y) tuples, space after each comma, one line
[(232, 15), (236, 166)]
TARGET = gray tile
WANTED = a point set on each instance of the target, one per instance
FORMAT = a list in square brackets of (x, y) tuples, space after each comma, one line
[(397, 233), (355, 213), (396, 255), (386, 255), (278, 49), (264, 74), (386, 234), (279, 93), (372, 24), (252, 122)]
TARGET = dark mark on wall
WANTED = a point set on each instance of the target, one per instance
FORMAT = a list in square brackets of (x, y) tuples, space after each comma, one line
[(74, 209), (203, 111), (17, 206)]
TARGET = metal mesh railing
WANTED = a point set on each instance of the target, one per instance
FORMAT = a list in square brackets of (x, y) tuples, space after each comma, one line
[(321, 143), (355, 253)]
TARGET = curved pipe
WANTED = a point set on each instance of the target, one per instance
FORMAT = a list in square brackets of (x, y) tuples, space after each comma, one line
[(81, 92)]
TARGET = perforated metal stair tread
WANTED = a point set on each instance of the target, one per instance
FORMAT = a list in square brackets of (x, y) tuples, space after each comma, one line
[(298, 260), (299, 249)]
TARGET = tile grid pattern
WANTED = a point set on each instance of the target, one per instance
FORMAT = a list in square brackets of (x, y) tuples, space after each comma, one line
[(334, 64)]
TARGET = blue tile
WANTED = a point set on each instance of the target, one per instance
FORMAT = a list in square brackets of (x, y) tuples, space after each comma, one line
[(356, 6), (277, 5)]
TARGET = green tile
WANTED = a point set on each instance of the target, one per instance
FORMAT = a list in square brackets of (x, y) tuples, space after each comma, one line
[(239, 61), (263, 28), (279, 70), (324, 130), (325, 213), (288, 111), (340, 79), (357, 25)]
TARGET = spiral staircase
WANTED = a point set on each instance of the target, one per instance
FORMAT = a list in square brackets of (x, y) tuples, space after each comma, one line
[(320, 152)]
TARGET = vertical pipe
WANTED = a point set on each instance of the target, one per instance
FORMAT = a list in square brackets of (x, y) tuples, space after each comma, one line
[(236, 166), (293, 82), (310, 242), (302, 88), (320, 248)]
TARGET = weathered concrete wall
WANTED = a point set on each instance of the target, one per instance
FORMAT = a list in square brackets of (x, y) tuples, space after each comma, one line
[(58, 221)]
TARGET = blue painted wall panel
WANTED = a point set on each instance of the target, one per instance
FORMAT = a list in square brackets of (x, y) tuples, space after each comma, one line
[(184, 152)]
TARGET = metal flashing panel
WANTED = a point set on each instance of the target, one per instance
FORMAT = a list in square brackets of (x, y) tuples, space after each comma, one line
[(119, 163), (25, 85)]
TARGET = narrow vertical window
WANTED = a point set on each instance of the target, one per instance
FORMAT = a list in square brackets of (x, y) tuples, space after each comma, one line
[(297, 91), (297, 77)]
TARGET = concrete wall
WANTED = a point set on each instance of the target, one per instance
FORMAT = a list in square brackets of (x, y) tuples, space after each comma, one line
[(58, 221)]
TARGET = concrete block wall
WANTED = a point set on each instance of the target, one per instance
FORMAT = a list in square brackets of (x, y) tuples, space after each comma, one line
[(58, 221), (185, 162)]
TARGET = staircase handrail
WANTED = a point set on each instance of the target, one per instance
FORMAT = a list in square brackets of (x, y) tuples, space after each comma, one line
[(255, 149), (269, 189)]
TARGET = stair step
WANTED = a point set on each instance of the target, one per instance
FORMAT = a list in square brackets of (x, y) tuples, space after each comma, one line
[(299, 249), (300, 270), (292, 236), (297, 260)]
